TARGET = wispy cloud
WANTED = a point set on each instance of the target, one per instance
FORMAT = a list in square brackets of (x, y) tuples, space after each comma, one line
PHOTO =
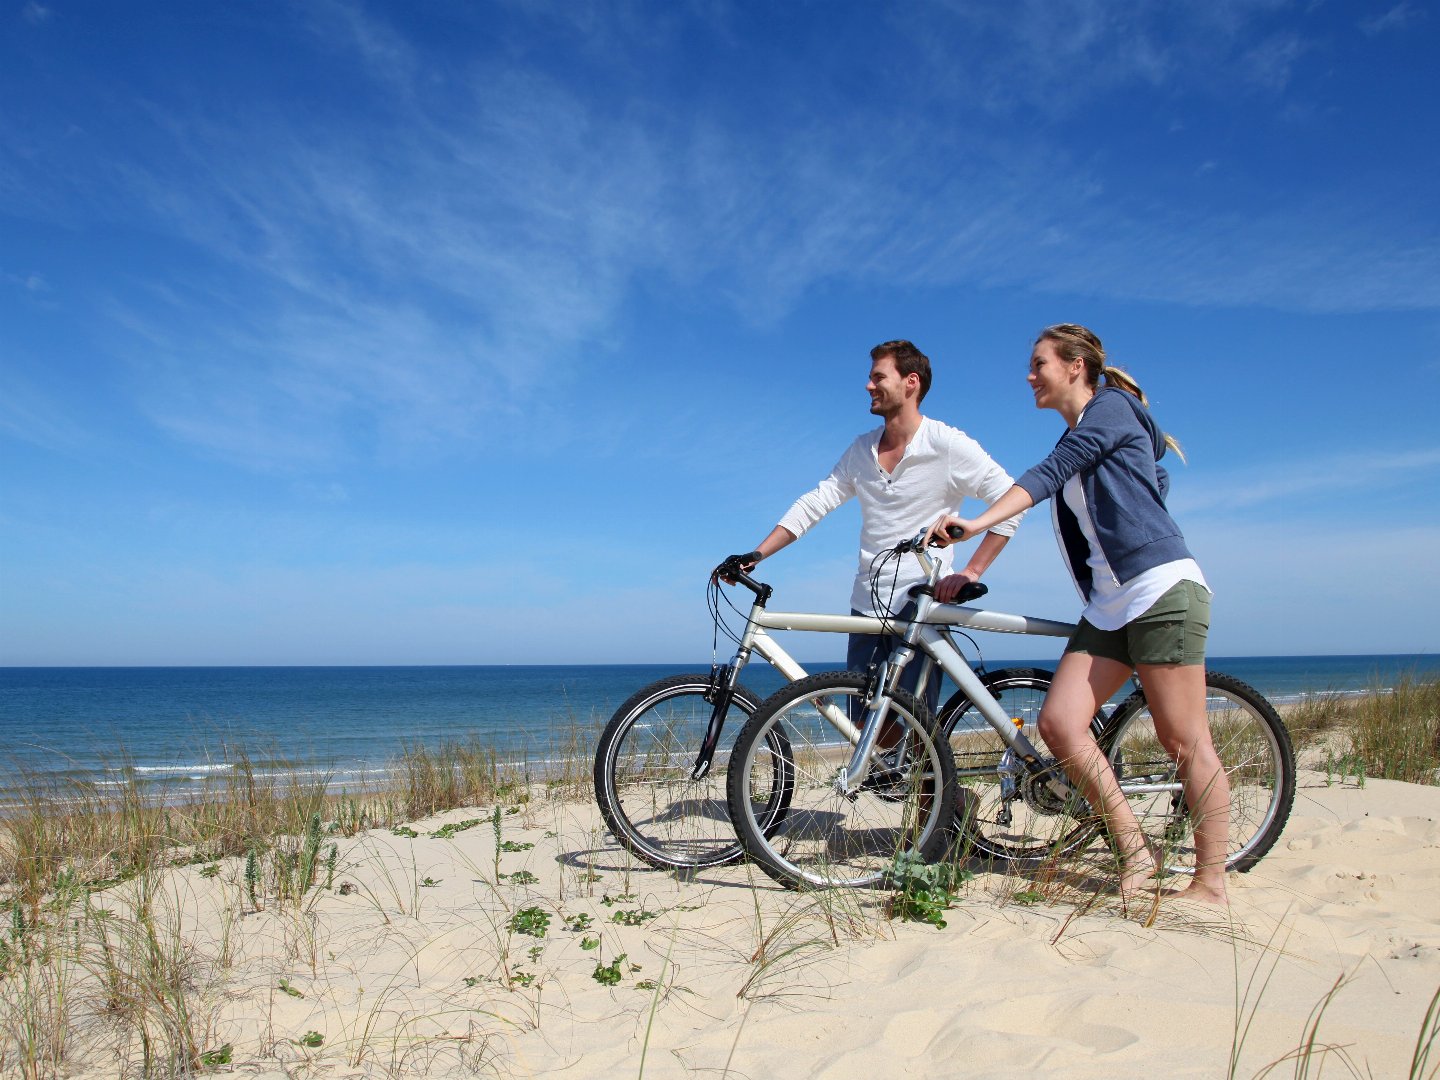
[(35, 289), (31, 415), (1399, 17), (383, 285), (1261, 485)]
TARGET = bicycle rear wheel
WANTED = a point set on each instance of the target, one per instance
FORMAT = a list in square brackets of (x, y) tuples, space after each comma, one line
[(642, 775), (995, 816), (828, 838), (1254, 750)]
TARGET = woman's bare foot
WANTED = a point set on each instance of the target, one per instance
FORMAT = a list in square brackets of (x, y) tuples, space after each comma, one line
[(1205, 892), (1139, 873)]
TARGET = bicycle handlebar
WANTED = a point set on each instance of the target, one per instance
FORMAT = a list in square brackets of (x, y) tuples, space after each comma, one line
[(732, 571)]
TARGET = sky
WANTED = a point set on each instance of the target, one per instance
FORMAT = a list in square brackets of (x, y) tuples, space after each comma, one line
[(477, 332)]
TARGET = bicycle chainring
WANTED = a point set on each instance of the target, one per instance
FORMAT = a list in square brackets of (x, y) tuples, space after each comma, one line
[(1035, 790)]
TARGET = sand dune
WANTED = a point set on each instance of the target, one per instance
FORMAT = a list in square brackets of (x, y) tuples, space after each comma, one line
[(415, 962)]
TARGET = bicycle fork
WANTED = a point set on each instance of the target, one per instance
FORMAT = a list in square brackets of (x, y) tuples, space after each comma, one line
[(720, 694), (886, 678)]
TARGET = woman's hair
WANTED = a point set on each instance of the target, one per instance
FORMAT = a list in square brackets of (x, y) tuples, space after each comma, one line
[(1077, 343)]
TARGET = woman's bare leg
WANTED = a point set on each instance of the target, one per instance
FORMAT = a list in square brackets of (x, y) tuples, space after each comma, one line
[(1176, 694), (1082, 684)]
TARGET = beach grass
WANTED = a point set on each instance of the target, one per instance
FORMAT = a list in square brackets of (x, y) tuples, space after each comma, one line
[(102, 894), (1390, 734)]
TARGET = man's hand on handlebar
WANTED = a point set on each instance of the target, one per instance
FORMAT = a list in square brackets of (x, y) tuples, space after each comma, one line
[(949, 529), (735, 564)]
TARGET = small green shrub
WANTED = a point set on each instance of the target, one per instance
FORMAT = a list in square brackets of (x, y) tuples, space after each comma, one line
[(534, 921), (924, 891), (608, 974)]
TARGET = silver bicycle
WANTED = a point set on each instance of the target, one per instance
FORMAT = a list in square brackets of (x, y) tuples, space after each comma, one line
[(661, 762), (816, 801)]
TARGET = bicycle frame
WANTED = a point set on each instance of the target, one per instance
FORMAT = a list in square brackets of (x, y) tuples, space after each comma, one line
[(928, 633)]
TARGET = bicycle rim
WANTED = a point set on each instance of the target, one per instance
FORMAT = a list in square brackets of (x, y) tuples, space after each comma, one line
[(642, 775), (1254, 750), (991, 825), (827, 838)]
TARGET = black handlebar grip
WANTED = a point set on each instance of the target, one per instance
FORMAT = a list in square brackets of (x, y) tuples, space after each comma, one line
[(954, 532), (735, 564)]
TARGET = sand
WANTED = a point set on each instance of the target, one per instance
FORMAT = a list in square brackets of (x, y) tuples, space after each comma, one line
[(408, 964)]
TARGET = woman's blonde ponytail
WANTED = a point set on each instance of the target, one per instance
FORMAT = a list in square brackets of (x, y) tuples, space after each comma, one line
[(1075, 342)]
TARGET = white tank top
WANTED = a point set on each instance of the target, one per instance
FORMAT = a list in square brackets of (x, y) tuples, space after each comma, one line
[(1112, 604)]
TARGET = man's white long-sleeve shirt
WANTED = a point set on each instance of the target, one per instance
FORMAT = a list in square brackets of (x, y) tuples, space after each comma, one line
[(940, 468)]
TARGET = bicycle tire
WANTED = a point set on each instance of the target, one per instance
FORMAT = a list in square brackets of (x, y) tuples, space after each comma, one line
[(1254, 749), (989, 825), (826, 838), (642, 775)]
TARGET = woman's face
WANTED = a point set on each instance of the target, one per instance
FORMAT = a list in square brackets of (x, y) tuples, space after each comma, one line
[(1052, 378)]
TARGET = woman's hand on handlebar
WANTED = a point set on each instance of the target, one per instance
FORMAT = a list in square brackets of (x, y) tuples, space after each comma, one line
[(947, 589), (949, 529)]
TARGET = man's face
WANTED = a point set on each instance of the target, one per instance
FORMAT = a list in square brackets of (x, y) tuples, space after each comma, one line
[(887, 389)]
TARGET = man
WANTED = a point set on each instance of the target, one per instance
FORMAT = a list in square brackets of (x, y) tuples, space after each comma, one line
[(905, 475)]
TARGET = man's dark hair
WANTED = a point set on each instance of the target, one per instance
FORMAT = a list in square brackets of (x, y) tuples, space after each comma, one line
[(908, 360)]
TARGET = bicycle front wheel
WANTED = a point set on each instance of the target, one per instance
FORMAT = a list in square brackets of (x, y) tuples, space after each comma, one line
[(1254, 750), (828, 837), (1000, 813), (642, 774)]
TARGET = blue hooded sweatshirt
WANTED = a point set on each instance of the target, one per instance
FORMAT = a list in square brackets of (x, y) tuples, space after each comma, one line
[(1115, 448)]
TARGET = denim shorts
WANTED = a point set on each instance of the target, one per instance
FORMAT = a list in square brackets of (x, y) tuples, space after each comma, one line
[(1171, 631)]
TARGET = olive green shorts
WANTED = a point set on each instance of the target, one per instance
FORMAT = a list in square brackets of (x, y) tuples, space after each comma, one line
[(1172, 631)]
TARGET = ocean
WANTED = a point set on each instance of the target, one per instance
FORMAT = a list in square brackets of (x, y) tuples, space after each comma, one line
[(171, 728)]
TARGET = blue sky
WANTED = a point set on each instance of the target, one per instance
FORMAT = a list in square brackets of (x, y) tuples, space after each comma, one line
[(464, 332)]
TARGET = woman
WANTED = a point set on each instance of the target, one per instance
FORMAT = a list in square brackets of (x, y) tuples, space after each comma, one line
[(1147, 604)]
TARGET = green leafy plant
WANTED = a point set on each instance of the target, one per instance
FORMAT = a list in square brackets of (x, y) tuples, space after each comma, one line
[(589, 942), (1027, 897), (511, 845), (445, 832), (431, 883), (252, 877), (534, 921), (213, 870), (285, 985), (579, 922), (495, 828), (404, 830), (521, 877), (219, 1056), (522, 978), (608, 974), (924, 891), (633, 917), (311, 1040)]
